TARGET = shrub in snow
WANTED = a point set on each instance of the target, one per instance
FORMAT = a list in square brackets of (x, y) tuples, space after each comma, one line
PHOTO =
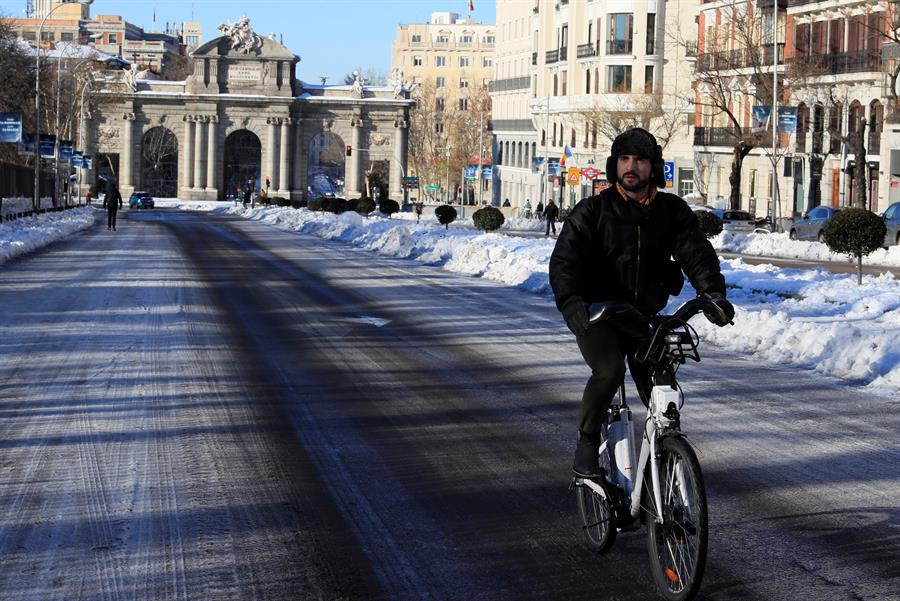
[(322, 203), (710, 224), (388, 206), (338, 205), (364, 205), (488, 219), (282, 202), (445, 215), (855, 232), (298, 204)]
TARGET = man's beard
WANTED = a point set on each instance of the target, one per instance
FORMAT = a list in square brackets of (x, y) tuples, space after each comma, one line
[(635, 185)]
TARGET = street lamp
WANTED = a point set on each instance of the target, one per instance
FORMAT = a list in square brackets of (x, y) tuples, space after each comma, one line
[(37, 102), (448, 173)]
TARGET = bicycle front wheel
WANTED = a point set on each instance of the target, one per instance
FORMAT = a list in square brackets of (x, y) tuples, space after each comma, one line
[(678, 546)]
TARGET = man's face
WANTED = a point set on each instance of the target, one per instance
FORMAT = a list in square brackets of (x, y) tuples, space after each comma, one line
[(633, 172)]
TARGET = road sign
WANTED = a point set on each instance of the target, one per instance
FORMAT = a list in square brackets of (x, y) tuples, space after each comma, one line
[(669, 172), (573, 176), (432, 187), (590, 173)]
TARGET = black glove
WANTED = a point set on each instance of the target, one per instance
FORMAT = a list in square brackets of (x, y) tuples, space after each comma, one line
[(575, 312), (726, 311)]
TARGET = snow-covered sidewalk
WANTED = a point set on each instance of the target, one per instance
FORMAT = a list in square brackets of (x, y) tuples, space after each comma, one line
[(812, 319), (29, 233)]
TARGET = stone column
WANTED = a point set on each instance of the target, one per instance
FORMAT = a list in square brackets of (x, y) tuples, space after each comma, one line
[(270, 153), (187, 157), (354, 165), (198, 152), (398, 158), (284, 155), (211, 158), (126, 158), (299, 163)]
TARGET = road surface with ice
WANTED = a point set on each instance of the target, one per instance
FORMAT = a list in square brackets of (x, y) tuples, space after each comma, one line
[(203, 407)]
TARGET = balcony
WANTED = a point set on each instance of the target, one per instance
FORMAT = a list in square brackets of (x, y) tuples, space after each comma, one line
[(551, 57), (714, 136), (618, 46), (861, 61), (510, 84), (586, 50)]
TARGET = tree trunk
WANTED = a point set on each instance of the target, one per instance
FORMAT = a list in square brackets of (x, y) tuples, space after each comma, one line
[(734, 180), (859, 270)]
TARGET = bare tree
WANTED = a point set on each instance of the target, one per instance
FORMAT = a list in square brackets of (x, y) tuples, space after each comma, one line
[(427, 138), (647, 111)]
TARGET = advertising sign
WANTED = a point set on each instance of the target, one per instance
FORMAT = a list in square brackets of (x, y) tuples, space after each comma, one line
[(600, 185), (77, 159), (761, 117), (669, 171), (487, 172), (10, 128), (88, 162), (48, 146), (26, 145)]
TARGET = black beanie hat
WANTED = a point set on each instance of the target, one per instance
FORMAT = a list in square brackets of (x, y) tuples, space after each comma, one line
[(640, 143)]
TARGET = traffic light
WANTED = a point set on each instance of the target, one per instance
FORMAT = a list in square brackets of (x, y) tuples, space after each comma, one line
[(349, 150)]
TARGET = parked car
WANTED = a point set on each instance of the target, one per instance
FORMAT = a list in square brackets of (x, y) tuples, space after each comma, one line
[(892, 221), (735, 221), (812, 225), (140, 200)]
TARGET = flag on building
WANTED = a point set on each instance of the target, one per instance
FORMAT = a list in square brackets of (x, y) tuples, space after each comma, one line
[(471, 6), (567, 154)]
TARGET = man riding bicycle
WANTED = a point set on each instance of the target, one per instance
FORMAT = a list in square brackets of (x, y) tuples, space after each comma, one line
[(619, 246)]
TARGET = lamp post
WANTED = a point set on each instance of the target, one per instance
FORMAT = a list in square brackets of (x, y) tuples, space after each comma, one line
[(37, 102), (449, 198)]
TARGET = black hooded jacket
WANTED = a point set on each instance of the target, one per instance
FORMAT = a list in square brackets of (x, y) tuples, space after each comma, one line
[(611, 248)]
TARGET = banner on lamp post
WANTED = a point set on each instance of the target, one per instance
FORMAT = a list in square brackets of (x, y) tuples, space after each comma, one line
[(761, 115), (787, 119), (66, 148), (88, 162), (48, 146), (26, 145), (77, 159), (10, 128)]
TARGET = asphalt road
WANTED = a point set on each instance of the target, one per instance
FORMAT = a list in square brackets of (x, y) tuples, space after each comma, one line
[(201, 407)]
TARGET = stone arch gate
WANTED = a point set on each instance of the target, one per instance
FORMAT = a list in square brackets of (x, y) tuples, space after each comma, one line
[(244, 82)]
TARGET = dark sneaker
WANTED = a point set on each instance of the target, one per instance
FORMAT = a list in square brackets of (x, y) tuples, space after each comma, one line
[(587, 456)]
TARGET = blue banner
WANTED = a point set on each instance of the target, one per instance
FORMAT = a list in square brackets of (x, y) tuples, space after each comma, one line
[(487, 172), (553, 167), (65, 150), (48, 146), (77, 159), (537, 164), (761, 117), (26, 145), (88, 162), (787, 119), (10, 128)]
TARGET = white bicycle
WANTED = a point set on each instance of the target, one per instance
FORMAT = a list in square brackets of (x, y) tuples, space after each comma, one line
[(664, 489)]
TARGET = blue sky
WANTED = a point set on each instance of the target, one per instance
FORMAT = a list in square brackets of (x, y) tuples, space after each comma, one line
[(332, 37)]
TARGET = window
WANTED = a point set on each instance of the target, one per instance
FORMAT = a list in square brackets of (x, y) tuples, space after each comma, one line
[(112, 38), (66, 36), (487, 62), (463, 104), (564, 37), (466, 39), (618, 79), (443, 40), (651, 33), (417, 38), (489, 39), (463, 82), (464, 61), (440, 61), (440, 82), (417, 61), (587, 86), (621, 26), (29, 35), (554, 134), (648, 79), (438, 128), (563, 77), (753, 176), (192, 40), (438, 104), (685, 182), (47, 36), (572, 139)]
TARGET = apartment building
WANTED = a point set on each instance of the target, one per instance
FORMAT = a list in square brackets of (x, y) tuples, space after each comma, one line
[(841, 44), (456, 56), (593, 65)]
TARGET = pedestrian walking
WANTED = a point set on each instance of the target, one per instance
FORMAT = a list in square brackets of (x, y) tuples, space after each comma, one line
[(248, 194), (550, 215), (112, 202), (87, 198)]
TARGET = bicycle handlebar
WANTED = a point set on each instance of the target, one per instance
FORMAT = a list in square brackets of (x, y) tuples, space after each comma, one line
[(609, 309)]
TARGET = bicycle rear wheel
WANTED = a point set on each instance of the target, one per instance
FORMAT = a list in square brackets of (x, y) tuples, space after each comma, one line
[(678, 546), (598, 520)]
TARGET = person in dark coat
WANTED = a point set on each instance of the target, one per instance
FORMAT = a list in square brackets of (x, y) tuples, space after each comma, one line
[(112, 202), (248, 194), (619, 246), (551, 213)]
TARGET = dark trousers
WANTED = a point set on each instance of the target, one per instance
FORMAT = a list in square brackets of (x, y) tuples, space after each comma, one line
[(551, 223), (604, 349), (111, 218)]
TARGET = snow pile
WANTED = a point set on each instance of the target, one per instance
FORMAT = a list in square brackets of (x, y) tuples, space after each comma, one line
[(780, 245), (29, 233)]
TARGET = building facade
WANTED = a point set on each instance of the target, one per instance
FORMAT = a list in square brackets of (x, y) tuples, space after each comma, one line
[(243, 119), (593, 68)]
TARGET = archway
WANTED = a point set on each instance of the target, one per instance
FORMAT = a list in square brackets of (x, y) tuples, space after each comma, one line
[(325, 169), (243, 160), (159, 163)]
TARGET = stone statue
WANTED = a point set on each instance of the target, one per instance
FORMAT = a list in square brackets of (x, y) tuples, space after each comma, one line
[(129, 76), (243, 38), (358, 82), (395, 80)]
